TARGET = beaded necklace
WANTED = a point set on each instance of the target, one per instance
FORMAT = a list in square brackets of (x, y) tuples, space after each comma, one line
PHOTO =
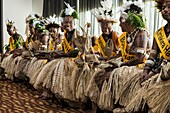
[(132, 36)]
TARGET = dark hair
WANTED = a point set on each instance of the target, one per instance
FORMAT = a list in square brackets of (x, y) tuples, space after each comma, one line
[(134, 8), (159, 4), (9, 26), (52, 25)]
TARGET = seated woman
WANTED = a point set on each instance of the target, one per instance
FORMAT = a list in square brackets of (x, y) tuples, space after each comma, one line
[(53, 27), (156, 95), (13, 49), (30, 29), (53, 43), (134, 45), (64, 68), (15, 40), (62, 64), (108, 48), (160, 50), (38, 49), (107, 43)]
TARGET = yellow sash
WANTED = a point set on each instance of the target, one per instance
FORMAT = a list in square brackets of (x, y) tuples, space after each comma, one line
[(27, 40), (11, 43), (123, 44), (102, 45), (65, 45), (51, 44), (163, 43)]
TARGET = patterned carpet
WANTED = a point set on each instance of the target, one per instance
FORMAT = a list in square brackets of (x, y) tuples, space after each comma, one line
[(16, 98)]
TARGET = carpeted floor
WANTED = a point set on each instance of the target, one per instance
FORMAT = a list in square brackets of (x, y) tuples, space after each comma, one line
[(16, 98)]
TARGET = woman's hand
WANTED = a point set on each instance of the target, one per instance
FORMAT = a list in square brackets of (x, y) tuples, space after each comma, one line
[(144, 76)]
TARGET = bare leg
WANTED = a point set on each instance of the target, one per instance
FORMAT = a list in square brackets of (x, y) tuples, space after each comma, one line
[(94, 108)]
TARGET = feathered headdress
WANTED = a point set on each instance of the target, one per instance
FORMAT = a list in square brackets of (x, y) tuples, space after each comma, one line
[(10, 23), (39, 25), (52, 21), (105, 12), (29, 20), (69, 11), (132, 11)]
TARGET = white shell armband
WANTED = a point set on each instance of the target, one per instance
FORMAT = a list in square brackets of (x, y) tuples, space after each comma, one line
[(146, 56), (119, 63), (150, 62), (142, 51)]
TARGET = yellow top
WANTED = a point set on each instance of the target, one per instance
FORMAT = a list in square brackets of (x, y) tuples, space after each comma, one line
[(28, 41), (123, 45), (51, 44), (101, 45), (65, 45), (163, 43), (11, 43)]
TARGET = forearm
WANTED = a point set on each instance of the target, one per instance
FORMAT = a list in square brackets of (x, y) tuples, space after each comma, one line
[(133, 62), (151, 61), (149, 65), (137, 60)]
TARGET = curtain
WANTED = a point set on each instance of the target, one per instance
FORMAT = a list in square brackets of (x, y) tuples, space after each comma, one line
[(51, 7), (153, 18)]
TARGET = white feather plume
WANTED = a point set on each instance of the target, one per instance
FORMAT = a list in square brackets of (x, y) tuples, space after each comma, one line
[(104, 11), (69, 10), (52, 20), (106, 4), (126, 5), (36, 22)]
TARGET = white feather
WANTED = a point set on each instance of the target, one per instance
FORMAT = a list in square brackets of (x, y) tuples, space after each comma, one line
[(124, 1), (69, 10), (102, 12), (52, 20), (107, 4), (126, 5), (35, 23)]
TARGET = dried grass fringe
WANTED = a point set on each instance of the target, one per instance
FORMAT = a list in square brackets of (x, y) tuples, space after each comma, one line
[(44, 73), (93, 91), (157, 97), (83, 82), (37, 67)]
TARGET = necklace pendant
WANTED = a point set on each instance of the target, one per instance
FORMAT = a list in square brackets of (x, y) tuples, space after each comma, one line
[(129, 40)]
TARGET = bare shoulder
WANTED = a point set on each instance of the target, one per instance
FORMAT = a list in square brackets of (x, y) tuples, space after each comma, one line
[(18, 35), (142, 32), (114, 32), (95, 37)]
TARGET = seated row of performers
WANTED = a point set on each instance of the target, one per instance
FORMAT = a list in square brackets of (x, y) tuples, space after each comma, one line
[(100, 69)]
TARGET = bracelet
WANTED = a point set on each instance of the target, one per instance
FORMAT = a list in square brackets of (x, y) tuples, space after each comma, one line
[(150, 62)]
